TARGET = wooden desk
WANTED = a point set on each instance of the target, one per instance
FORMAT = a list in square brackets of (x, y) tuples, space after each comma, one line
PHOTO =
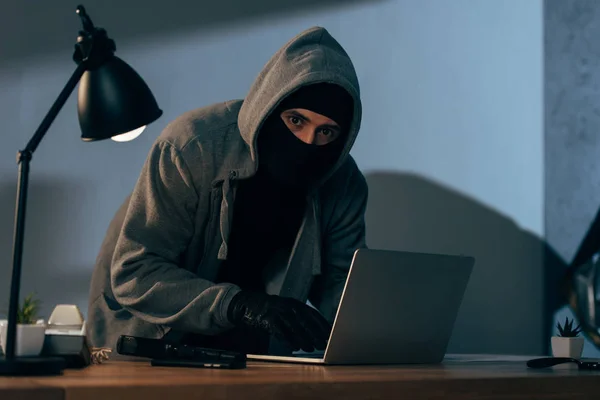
[(451, 380)]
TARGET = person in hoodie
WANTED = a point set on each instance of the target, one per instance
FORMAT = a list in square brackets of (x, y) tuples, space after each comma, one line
[(244, 212)]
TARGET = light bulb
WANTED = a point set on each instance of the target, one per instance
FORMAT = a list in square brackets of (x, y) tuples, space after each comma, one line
[(126, 137)]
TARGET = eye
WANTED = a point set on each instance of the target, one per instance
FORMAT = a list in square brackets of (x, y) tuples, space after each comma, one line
[(295, 120), (326, 132)]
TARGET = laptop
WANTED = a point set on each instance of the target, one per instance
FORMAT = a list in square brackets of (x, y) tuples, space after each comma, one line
[(396, 308)]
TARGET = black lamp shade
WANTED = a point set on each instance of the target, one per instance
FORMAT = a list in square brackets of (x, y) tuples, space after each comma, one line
[(114, 99)]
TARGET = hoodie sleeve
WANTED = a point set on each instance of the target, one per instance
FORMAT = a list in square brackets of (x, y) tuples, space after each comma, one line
[(346, 234), (145, 274)]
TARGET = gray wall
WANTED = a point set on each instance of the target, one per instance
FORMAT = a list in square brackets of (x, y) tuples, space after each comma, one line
[(572, 124), (451, 141)]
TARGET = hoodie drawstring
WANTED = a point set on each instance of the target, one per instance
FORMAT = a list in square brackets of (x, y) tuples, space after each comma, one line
[(226, 209)]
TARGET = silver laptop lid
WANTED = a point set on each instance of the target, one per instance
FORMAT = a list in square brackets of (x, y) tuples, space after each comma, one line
[(398, 307)]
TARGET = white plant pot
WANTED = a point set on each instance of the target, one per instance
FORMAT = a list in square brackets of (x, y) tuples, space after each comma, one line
[(30, 338), (571, 347)]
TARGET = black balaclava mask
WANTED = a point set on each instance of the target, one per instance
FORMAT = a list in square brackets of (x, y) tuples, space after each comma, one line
[(288, 159)]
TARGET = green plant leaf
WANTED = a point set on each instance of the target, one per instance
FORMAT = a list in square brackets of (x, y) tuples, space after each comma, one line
[(27, 312)]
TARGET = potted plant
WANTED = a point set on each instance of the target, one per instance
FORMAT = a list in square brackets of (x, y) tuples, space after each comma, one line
[(568, 343), (30, 332)]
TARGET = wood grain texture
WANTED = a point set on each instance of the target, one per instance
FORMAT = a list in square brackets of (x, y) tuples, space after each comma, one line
[(138, 380), (28, 389)]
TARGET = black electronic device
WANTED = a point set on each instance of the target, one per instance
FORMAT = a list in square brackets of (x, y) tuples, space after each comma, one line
[(547, 362), (165, 353), (208, 363)]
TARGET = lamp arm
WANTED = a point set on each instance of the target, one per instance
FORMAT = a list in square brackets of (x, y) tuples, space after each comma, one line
[(23, 159), (55, 109)]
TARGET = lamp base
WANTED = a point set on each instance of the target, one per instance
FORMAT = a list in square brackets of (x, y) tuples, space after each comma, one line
[(30, 366)]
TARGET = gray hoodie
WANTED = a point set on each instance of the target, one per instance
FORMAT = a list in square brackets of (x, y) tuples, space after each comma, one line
[(156, 268)]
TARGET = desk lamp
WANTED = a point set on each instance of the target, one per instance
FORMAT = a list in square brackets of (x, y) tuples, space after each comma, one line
[(113, 102)]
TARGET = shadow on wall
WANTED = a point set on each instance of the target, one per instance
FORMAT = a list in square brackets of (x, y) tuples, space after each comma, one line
[(51, 243), (513, 291), (133, 19)]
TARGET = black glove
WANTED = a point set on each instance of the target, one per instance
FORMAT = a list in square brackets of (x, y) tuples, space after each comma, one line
[(300, 325)]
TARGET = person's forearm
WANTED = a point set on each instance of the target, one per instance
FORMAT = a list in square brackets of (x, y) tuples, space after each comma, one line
[(146, 277), (164, 294)]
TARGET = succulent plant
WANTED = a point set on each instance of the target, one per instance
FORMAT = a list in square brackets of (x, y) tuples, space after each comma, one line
[(567, 330), (28, 311)]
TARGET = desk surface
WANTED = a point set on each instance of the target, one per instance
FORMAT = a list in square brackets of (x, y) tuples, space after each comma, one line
[(462, 379)]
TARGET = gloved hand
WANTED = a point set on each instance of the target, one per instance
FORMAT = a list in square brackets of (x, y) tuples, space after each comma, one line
[(300, 325)]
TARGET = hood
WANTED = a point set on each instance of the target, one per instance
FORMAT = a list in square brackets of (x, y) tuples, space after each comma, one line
[(313, 56)]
